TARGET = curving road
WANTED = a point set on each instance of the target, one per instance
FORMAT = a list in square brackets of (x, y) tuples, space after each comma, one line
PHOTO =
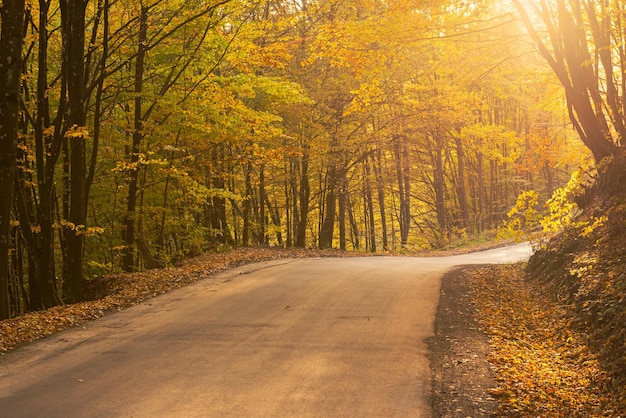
[(324, 337)]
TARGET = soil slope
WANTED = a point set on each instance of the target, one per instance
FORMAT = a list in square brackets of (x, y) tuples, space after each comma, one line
[(584, 268)]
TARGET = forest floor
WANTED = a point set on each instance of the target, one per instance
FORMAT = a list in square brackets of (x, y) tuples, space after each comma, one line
[(504, 347), (500, 347)]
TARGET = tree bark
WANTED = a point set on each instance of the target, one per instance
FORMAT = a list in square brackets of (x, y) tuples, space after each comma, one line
[(343, 194), (369, 206), (328, 221), (262, 198), (218, 202), (305, 194), (11, 39), (439, 186), (73, 28), (404, 187), (128, 261), (247, 206), (380, 186), (275, 216), (461, 188), (38, 208)]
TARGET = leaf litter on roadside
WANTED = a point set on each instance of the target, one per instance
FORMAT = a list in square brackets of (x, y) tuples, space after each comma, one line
[(543, 367)]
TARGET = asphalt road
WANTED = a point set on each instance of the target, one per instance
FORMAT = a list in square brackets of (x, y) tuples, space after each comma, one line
[(327, 337)]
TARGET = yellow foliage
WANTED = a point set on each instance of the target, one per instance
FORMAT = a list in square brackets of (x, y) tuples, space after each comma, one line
[(523, 217), (77, 132)]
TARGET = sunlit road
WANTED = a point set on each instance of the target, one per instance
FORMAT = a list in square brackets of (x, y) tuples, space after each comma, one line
[(328, 337)]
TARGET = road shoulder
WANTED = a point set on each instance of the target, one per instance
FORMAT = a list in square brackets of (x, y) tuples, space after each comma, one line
[(461, 374)]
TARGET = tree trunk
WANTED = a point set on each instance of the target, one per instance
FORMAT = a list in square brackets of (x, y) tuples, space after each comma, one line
[(73, 27), (328, 222), (343, 193), (305, 194), (247, 206), (104, 11), (262, 197), (354, 227), (579, 73), (219, 221), (128, 261), (461, 188), (41, 263), (549, 178), (404, 187), (274, 214), (41, 272), (369, 206), (439, 187), (380, 186), (291, 203), (480, 221), (11, 39)]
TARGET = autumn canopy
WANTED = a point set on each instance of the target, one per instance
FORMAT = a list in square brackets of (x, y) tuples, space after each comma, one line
[(134, 134)]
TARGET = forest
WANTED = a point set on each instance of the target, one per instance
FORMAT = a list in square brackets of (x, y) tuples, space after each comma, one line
[(135, 134)]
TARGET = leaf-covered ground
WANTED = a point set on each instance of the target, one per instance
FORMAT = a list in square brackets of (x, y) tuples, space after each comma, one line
[(543, 367)]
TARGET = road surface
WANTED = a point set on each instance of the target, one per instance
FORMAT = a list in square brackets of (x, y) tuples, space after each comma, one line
[(326, 337)]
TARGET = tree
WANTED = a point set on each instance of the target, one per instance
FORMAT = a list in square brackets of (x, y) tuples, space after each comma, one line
[(11, 42), (171, 21), (35, 207), (584, 46), (73, 30)]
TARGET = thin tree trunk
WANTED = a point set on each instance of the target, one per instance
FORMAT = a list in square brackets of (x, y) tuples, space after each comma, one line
[(247, 206), (481, 193), (493, 197), (354, 227), (342, 213), (43, 293), (305, 193), (291, 208), (275, 219), (104, 5), (404, 188), (461, 188), (380, 186), (439, 187), (262, 197), (369, 206), (328, 221), (219, 220), (128, 261), (549, 178)]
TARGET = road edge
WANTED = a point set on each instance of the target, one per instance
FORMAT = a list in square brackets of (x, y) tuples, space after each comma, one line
[(460, 372)]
